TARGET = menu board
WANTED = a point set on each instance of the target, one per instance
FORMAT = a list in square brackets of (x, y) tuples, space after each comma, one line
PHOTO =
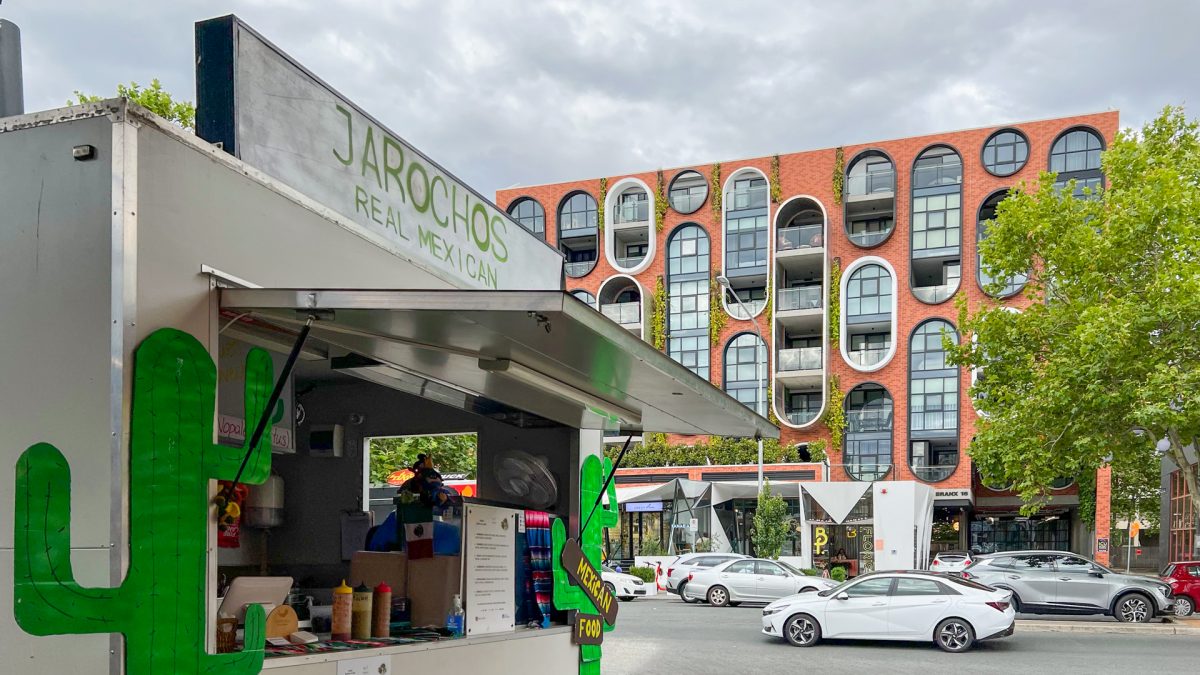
[(491, 567)]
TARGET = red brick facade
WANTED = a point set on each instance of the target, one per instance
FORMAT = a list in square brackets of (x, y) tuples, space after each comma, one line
[(810, 173)]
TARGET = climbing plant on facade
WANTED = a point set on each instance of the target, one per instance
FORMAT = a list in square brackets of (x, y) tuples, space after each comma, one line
[(717, 318), (835, 414), (776, 187), (835, 301), (839, 175), (600, 208), (660, 202), (771, 416), (816, 450), (658, 316), (714, 189)]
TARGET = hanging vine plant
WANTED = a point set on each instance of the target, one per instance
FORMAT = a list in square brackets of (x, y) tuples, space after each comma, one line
[(660, 203), (839, 175), (771, 416), (835, 414), (600, 208), (658, 316), (769, 307), (835, 301), (717, 318), (816, 450), (776, 188), (714, 190)]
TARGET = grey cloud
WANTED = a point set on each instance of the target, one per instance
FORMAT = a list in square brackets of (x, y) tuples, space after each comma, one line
[(505, 93)]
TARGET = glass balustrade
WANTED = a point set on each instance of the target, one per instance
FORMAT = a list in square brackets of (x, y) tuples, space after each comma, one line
[(867, 357), (874, 182), (578, 269), (934, 176), (803, 236), (624, 313), (803, 297), (749, 198), (802, 416), (800, 358)]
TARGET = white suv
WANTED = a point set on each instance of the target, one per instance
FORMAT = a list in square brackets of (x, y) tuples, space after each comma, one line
[(678, 569)]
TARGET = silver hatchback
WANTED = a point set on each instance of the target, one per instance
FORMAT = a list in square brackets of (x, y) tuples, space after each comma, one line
[(1058, 582)]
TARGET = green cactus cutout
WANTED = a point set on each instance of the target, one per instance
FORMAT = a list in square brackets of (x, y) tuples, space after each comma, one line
[(160, 606), (567, 596)]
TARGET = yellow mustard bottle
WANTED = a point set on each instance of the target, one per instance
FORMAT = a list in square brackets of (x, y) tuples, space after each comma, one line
[(343, 599)]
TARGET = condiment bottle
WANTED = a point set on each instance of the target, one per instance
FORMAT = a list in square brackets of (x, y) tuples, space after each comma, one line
[(343, 601), (381, 621), (360, 621)]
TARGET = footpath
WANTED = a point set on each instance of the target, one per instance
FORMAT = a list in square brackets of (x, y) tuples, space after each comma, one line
[(1165, 626)]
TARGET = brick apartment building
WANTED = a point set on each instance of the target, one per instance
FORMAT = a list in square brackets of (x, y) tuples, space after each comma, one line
[(902, 233)]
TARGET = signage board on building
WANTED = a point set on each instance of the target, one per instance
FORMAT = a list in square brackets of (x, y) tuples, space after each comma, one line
[(278, 117), (953, 494), (643, 507)]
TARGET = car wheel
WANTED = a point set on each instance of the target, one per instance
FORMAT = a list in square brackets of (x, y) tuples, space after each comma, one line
[(610, 588), (1184, 606), (627, 598), (1134, 608), (802, 631), (1016, 603), (954, 635), (718, 596), (684, 597), (734, 604), (808, 589)]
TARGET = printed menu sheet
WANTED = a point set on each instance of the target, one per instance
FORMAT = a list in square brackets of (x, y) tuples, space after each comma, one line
[(491, 558)]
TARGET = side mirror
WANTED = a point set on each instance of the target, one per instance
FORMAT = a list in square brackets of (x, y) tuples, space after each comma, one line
[(843, 596), (1097, 573)]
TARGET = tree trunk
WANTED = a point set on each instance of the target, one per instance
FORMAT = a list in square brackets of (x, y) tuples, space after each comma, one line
[(1186, 469)]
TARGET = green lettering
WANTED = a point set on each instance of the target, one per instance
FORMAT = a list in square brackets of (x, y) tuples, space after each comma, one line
[(349, 137), (369, 159), (390, 171), (485, 243), (375, 210), (360, 201), (440, 220), (498, 244), (459, 216), (420, 197)]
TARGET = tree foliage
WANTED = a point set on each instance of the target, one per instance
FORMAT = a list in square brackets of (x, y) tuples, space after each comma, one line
[(656, 451), (1105, 362), (451, 454), (770, 524), (155, 99)]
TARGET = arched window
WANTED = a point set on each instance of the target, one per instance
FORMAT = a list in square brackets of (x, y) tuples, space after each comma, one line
[(687, 298), (936, 224), (586, 297), (932, 403), (746, 371), (530, 214), (687, 192), (577, 233), (1005, 152), (868, 315), (870, 198), (987, 213), (868, 439), (1075, 155)]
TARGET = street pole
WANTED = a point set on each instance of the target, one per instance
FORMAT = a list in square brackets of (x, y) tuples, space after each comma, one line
[(759, 375), (1129, 542)]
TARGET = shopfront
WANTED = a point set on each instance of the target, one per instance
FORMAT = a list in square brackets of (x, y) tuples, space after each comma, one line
[(319, 280)]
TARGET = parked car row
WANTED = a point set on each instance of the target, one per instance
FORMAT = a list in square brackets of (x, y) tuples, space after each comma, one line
[(962, 600)]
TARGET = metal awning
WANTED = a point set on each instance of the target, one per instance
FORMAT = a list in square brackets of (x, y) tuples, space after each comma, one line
[(544, 352)]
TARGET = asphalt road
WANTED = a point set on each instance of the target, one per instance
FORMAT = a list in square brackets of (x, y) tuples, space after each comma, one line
[(666, 636)]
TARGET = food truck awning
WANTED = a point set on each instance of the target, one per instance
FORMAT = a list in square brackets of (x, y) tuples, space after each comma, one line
[(543, 352)]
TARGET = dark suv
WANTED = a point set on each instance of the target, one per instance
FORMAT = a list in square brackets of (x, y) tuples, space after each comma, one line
[(1058, 582)]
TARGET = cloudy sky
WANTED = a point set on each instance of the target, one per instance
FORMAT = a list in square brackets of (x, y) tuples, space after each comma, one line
[(505, 92)]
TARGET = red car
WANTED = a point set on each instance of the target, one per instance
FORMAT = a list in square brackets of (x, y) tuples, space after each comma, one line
[(1184, 579)]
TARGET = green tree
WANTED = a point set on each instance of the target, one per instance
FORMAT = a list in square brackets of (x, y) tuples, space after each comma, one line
[(1104, 363), (155, 99), (451, 454), (770, 524)]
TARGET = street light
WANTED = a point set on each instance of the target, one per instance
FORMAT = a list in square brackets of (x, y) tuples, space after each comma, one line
[(760, 376)]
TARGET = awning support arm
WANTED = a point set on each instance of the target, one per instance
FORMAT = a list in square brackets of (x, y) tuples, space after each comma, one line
[(261, 427), (609, 479)]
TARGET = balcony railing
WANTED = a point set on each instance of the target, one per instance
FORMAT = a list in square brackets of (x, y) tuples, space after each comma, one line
[(804, 236), (867, 470), (803, 297), (750, 198), (800, 358), (934, 420), (579, 269), (634, 212), (869, 238), (752, 306), (874, 182), (624, 313), (866, 358), (577, 221), (867, 421), (935, 176), (933, 474), (935, 294), (687, 201), (801, 416), (630, 261)]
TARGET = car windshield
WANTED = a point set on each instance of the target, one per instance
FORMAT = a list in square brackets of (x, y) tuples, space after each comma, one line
[(606, 568), (836, 589), (967, 582), (789, 568)]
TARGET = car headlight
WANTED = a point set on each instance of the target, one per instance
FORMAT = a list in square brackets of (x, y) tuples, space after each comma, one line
[(768, 611), (1165, 590)]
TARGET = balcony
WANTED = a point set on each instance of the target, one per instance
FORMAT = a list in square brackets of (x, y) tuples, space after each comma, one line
[(809, 238), (579, 269), (935, 294), (867, 358), (869, 421), (630, 261), (625, 313), (933, 474), (939, 175), (801, 417), (800, 309), (871, 185), (800, 368), (749, 198), (631, 215)]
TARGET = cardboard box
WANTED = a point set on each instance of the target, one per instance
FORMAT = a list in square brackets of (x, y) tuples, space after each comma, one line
[(432, 585)]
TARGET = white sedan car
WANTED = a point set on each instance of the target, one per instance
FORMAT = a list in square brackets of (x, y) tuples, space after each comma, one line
[(625, 586), (916, 606), (749, 580)]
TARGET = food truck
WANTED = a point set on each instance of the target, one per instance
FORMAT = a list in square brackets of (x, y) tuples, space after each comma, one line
[(186, 314)]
